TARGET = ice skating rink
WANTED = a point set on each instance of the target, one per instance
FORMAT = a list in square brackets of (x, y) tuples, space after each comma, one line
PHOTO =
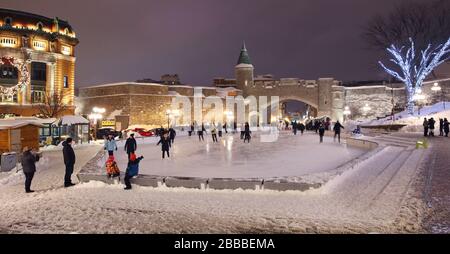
[(289, 156)]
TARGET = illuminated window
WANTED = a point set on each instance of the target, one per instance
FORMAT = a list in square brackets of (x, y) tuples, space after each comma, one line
[(40, 45), (66, 50), (8, 42), (66, 82)]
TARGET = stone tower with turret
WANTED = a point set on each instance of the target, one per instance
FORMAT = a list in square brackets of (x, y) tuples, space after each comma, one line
[(244, 71)]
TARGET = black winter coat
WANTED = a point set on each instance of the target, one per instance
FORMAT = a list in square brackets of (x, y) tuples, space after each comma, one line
[(321, 131), (130, 145), (68, 153), (165, 144), (337, 127), (28, 162), (446, 126), (172, 133)]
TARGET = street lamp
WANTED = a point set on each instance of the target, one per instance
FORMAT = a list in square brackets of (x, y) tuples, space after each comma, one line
[(97, 114), (346, 112), (366, 109), (436, 88)]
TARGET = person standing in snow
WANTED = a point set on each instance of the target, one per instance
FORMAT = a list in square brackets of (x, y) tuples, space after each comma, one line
[(165, 144), (321, 131), (247, 132), (172, 135), (431, 123), (69, 161), (132, 170), (337, 131), (441, 127), (213, 134), (29, 159), (110, 145), (130, 145), (446, 127), (425, 127)]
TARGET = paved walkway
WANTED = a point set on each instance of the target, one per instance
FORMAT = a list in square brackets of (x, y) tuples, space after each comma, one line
[(437, 188)]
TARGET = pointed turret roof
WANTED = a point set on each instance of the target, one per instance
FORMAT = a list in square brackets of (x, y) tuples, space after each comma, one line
[(243, 57)]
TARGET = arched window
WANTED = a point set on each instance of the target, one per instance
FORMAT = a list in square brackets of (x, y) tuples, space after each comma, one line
[(40, 26), (8, 21)]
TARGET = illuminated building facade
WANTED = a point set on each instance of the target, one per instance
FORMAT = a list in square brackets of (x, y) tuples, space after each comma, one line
[(37, 60)]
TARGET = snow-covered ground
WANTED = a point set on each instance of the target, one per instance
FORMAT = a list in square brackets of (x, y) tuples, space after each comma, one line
[(413, 122), (231, 158), (373, 196)]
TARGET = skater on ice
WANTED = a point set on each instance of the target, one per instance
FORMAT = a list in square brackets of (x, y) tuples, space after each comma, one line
[(294, 127), (337, 131), (165, 144), (172, 135), (29, 159), (247, 132), (301, 127), (132, 170), (321, 131), (214, 133), (200, 133), (69, 161), (130, 145)]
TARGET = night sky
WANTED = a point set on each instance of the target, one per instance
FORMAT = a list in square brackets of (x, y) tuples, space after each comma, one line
[(200, 39)]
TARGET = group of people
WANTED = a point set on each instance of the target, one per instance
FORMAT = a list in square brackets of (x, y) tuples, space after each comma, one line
[(217, 131), (320, 128), (429, 126)]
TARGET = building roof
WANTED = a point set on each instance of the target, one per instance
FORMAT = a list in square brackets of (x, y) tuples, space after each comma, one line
[(71, 120), (244, 58), (6, 124)]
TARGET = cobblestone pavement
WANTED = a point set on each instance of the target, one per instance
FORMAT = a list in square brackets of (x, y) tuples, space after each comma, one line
[(437, 187)]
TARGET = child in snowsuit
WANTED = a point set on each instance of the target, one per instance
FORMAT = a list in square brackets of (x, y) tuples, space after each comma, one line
[(112, 170), (132, 169), (165, 144)]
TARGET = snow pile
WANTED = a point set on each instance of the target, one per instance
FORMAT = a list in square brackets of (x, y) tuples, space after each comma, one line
[(413, 122), (71, 120), (12, 177)]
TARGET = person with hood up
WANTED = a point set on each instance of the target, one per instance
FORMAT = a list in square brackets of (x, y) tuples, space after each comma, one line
[(29, 159), (132, 170), (69, 161), (110, 145)]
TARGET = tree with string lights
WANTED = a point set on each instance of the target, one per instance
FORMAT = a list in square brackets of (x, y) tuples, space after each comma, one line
[(414, 68)]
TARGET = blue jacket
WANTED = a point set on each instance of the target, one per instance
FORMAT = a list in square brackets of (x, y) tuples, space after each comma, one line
[(133, 167), (110, 145)]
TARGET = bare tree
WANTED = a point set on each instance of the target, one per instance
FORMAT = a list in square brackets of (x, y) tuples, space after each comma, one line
[(425, 22), (53, 105)]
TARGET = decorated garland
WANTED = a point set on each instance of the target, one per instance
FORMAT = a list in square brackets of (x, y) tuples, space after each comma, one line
[(24, 77)]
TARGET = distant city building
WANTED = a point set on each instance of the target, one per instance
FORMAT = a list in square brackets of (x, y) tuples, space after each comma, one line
[(166, 79), (47, 47)]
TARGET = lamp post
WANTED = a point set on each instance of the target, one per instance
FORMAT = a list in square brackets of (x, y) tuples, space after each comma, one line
[(366, 109), (97, 114), (436, 88), (346, 112)]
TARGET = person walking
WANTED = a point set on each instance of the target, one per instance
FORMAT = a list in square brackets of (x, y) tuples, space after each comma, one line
[(321, 131), (225, 128), (425, 127), (110, 145), (294, 127), (243, 131), (130, 145), (431, 123), (219, 127), (441, 127), (192, 130), (247, 132), (132, 170), (234, 128), (165, 144), (337, 131), (29, 159), (172, 135), (446, 127), (69, 161)]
